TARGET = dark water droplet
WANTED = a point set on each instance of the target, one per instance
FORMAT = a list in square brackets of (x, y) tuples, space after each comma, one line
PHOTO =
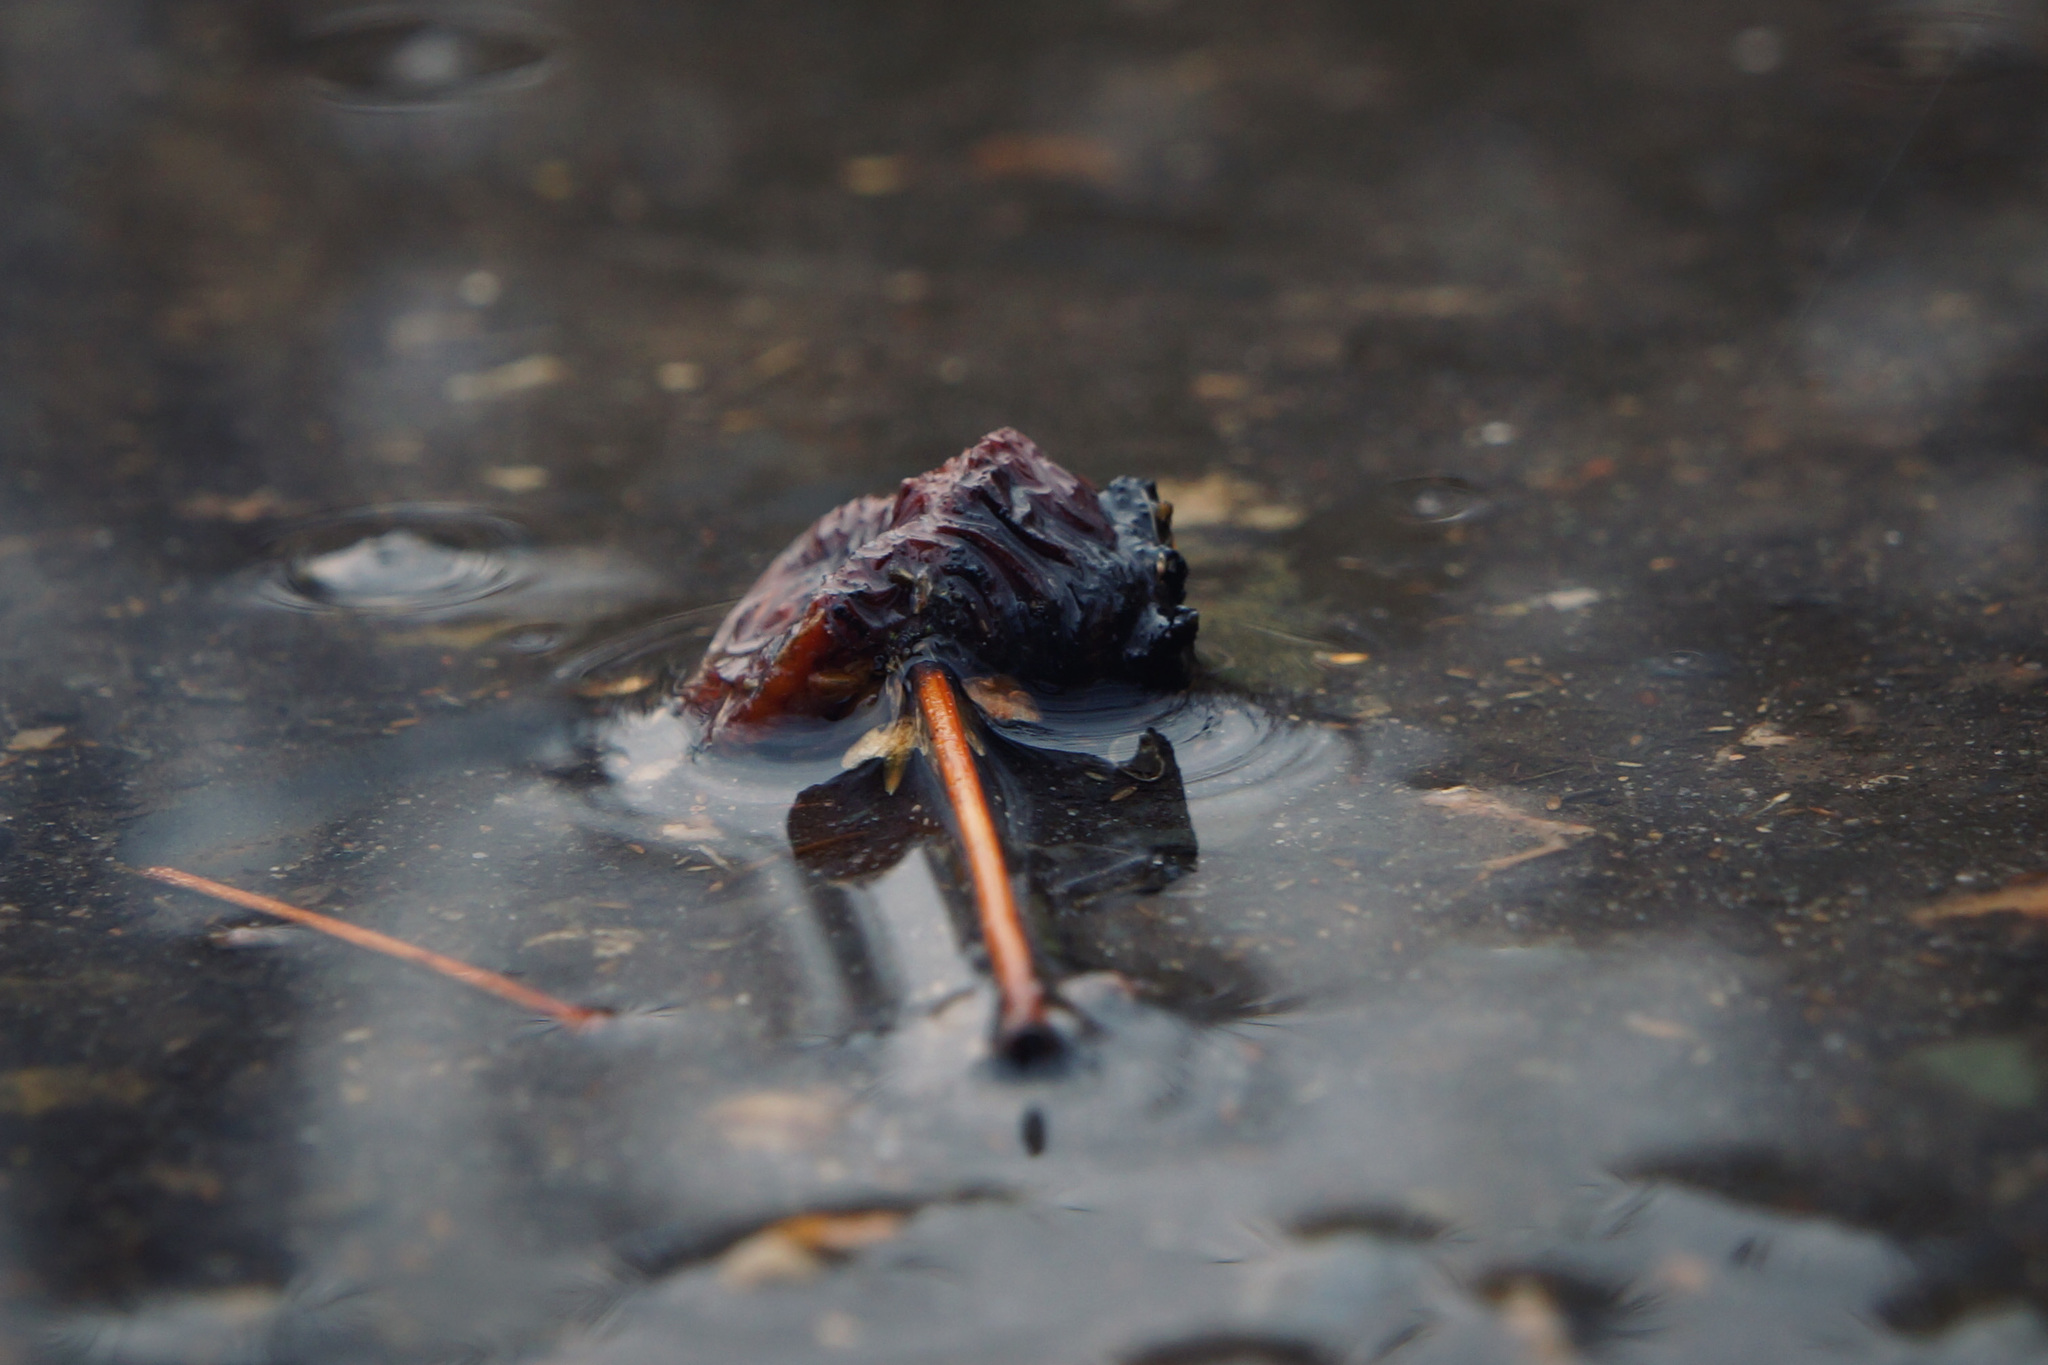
[(404, 561), (1437, 500), (396, 59), (1681, 664), (1034, 1131)]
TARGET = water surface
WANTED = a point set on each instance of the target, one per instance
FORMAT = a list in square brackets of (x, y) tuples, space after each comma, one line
[(1608, 443)]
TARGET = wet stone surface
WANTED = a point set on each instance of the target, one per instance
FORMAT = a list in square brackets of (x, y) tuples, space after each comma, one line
[(1607, 440)]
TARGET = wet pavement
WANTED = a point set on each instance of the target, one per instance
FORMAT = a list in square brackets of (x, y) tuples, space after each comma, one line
[(1608, 441)]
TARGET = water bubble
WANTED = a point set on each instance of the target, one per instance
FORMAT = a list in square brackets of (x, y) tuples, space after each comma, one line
[(1034, 1131), (393, 60), (397, 561), (1437, 500)]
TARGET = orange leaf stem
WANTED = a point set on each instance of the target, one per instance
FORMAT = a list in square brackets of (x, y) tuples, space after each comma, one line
[(1021, 1011)]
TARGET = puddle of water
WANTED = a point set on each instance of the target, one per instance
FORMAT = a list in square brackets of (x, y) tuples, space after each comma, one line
[(1594, 919)]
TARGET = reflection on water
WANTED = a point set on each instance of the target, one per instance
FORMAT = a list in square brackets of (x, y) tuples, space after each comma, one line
[(1551, 465)]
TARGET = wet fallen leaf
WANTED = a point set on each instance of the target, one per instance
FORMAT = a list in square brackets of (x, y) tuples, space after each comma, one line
[(2001, 673), (841, 1234), (532, 372), (1221, 386), (516, 478), (1556, 835), (615, 687), (1670, 1030), (679, 376), (607, 943), (781, 358), (1050, 156), (2023, 896), (797, 1248), (1530, 1316), (874, 175), (247, 508), (34, 1090)]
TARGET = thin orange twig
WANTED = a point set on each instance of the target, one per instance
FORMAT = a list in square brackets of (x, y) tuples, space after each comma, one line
[(504, 987), (1021, 996)]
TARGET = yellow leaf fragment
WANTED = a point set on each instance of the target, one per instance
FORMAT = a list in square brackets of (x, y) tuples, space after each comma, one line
[(797, 1248), (615, 687), (1650, 1026), (1556, 835), (1002, 698), (2025, 896), (34, 1090), (517, 376)]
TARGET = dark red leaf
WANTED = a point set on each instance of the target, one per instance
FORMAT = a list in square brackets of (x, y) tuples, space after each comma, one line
[(999, 561)]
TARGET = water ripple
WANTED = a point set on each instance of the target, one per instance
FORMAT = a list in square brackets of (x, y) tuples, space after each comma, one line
[(409, 560)]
